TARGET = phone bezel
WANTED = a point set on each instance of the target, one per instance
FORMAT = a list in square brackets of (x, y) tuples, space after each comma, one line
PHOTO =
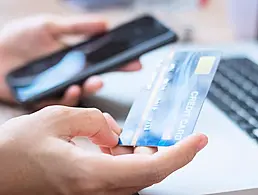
[(114, 62)]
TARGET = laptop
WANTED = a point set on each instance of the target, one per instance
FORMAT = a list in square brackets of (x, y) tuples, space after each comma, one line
[(229, 164)]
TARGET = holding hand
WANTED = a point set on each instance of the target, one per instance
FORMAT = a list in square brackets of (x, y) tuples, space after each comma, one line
[(24, 40), (37, 155)]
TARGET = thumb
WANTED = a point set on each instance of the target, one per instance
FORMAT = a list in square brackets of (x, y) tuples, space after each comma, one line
[(68, 122), (145, 170), (179, 155), (79, 25)]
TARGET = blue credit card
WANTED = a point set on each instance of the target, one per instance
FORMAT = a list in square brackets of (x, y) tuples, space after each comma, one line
[(168, 107)]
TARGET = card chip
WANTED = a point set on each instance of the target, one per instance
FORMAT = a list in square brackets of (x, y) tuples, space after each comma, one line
[(205, 65)]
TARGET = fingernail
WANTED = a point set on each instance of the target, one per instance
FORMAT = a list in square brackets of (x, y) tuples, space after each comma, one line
[(113, 124), (203, 142), (94, 79), (117, 131), (116, 137)]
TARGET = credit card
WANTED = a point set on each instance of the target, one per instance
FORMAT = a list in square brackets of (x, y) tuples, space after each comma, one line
[(168, 107)]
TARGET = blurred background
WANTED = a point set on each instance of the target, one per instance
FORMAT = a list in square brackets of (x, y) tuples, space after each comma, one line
[(195, 21), (203, 21)]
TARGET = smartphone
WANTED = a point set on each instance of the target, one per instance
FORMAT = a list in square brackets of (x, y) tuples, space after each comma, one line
[(49, 76)]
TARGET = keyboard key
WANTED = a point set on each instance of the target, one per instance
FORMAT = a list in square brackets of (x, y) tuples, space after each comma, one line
[(253, 121), (255, 133), (244, 114), (254, 91), (246, 126), (218, 102), (247, 85), (235, 117), (234, 106), (235, 91)]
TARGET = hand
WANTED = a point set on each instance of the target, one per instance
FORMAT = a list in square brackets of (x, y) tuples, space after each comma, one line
[(25, 40), (37, 156)]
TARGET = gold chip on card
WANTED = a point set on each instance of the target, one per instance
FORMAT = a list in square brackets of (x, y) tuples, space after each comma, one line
[(205, 65)]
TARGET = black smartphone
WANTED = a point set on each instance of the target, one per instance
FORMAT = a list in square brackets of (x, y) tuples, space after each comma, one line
[(50, 76)]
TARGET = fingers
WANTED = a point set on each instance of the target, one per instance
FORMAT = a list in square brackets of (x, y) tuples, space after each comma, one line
[(117, 150), (145, 170), (70, 98), (121, 150), (132, 66), (69, 122), (74, 93), (105, 150), (145, 150), (112, 123), (180, 155), (76, 25), (92, 85)]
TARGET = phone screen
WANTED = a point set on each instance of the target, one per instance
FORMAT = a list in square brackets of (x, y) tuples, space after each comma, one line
[(60, 67)]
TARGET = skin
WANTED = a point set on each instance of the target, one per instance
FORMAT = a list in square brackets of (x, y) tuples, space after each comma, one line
[(38, 155), (30, 38)]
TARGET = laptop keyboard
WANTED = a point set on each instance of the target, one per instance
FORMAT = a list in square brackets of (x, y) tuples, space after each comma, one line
[(234, 90)]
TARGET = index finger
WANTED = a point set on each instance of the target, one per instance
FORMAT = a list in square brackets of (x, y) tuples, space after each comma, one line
[(131, 66), (75, 25), (68, 122)]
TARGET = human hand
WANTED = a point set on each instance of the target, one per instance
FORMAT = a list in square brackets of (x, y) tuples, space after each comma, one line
[(27, 39), (37, 156)]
